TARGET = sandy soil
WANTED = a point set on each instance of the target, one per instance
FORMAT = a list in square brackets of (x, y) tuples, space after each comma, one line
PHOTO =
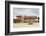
[(23, 25)]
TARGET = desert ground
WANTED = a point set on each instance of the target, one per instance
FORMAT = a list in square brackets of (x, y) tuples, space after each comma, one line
[(25, 25)]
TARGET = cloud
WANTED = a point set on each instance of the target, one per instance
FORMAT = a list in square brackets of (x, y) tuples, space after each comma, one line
[(25, 12)]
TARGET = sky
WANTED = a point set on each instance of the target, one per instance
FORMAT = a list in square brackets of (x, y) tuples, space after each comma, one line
[(26, 12)]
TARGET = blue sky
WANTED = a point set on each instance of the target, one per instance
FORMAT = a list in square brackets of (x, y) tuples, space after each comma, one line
[(26, 12)]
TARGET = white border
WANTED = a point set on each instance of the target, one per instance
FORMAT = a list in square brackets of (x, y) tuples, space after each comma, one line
[(24, 29)]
